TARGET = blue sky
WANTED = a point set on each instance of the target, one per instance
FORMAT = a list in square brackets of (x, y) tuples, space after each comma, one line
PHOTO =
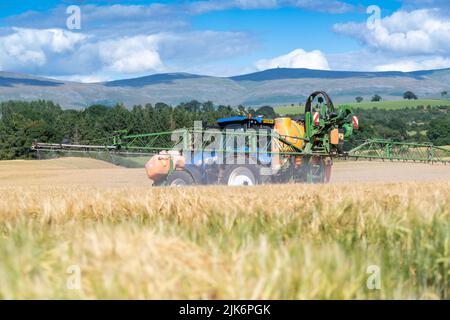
[(122, 39)]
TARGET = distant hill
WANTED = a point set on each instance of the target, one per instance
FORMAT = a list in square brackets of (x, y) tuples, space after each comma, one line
[(153, 79), (286, 73), (281, 86)]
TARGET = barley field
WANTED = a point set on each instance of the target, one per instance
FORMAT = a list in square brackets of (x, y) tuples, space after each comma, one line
[(128, 240)]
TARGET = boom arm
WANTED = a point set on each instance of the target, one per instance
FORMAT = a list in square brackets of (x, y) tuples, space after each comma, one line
[(381, 149)]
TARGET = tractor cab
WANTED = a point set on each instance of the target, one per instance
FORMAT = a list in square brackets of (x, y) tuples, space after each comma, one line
[(260, 126)]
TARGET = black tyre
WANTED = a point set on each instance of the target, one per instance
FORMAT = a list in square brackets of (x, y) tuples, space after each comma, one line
[(159, 183), (315, 171), (240, 175), (179, 178)]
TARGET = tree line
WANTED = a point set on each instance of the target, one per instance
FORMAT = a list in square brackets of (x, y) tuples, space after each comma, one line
[(407, 95), (21, 123), (420, 124)]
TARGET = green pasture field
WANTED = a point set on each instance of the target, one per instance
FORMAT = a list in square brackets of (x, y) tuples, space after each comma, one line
[(388, 105)]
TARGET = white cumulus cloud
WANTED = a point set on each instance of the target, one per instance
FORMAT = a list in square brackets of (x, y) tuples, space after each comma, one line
[(31, 47), (59, 50), (74, 55), (422, 31), (298, 58), (404, 41), (131, 55), (406, 65)]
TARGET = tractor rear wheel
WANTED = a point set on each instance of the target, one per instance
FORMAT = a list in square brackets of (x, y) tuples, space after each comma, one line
[(179, 178), (239, 175), (159, 183), (316, 170)]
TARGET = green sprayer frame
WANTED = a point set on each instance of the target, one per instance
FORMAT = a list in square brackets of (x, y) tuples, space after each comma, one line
[(152, 143), (372, 149), (382, 149)]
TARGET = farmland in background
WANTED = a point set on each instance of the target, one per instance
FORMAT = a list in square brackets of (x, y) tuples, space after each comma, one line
[(385, 105)]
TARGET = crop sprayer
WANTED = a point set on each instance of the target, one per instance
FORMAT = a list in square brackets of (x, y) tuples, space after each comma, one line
[(248, 150)]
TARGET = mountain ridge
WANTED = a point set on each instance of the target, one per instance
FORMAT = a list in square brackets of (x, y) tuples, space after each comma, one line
[(272, 86)]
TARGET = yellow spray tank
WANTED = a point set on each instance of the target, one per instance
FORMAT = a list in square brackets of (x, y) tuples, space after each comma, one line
[(291, 131)]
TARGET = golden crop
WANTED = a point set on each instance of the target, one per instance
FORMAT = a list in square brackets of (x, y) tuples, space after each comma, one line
[(264, 242)]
